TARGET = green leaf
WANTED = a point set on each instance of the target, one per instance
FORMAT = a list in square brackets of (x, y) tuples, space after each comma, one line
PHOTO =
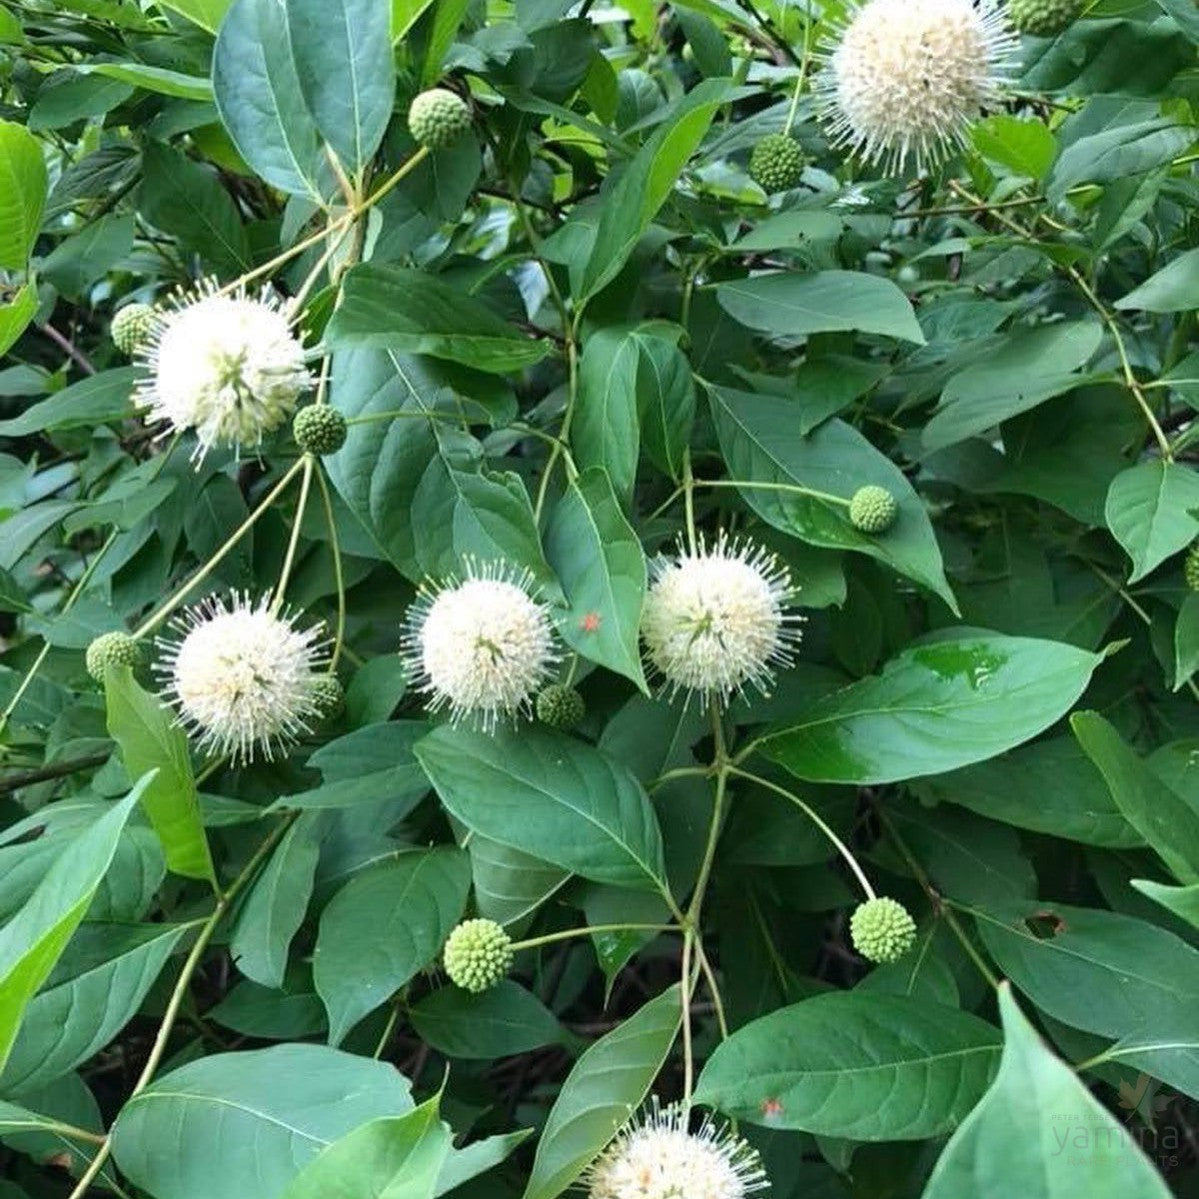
[(263, 1114), (551, 796), (665, 401), (257, 92), (34, 939), (464, 1164), (509, 885), (633, 200), (872, 1067), (598, 559), (205, 13), (151, 79), (1116, 154), (86, 257), (1172, 289), (1182, 901), (181, 197), (1027, 368), (275, 905), (93, 401), (788, 304), (149, 739), (502, 1021), (1024, 147), (112, 967), (1049, 786), (1161, 815), (396, 1158), (343, 56), (762, 443), (382, 927), (1153, 511), (1103, 972), (935, 707), (23, 184), (412, 312), (605, 431), (1039, 1133), (1186, 641), (602, 1091)]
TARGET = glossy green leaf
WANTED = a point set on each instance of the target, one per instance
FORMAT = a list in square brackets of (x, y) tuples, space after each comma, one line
[(258, 94), (501, 1021), (606, 432), (411, 312), (23, 185), (264, 1114), (399, 1157), (605, 1087), (634, 199), (1172, 289), (551, 796), (342, 50), (275, 905), (509, 884), (1038, 1132), (762, 443), (599, 561), (111, 969), (1182, 901), (1153, 511), (854, 1064), (383, 926), (160, 80), (1031, 366), (205, 13), (1162, 816), (90, 402), (150, 739), (34, 938), (16, 315), (935, 707), (790, 305)]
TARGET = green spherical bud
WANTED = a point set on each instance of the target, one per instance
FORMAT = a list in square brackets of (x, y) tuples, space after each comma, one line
[(478, 955), (131, 326), (438, 117), (776, 164), (1043, 18), (561, 707), (328, 696), (872, 509), (1190, 568), (111, 649), (882, 930), (319, 429)]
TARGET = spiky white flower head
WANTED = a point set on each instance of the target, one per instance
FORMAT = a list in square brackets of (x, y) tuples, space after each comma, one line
[(244, 680), (907, 77), (658, 1157), (481, 647), (228, 367), (716, 618)]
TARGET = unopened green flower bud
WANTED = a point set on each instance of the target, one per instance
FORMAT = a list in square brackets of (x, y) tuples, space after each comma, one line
[(882, 930), (111, 649), (1190, 568), (328, 696), (131, 326), (1043, 18), (776, 163), (438, 117), (561, 707), (478, 955), (873, 509), (319, 429)]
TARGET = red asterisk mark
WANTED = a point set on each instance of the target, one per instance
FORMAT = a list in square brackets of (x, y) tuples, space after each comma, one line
[(771, 1108), (591, 622)]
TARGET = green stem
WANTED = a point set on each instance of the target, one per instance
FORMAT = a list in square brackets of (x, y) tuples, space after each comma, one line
[(338, 574), (817, 820), (159, 614), (157, 1051), (689, 502), (592, 930), (572, 360), (793, 488), (290, 558)]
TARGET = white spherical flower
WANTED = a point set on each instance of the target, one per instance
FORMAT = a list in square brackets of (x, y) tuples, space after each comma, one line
[(243, 679), (716, 619), (228, 367), (481, 647), (659, 1158), (907, 77)]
